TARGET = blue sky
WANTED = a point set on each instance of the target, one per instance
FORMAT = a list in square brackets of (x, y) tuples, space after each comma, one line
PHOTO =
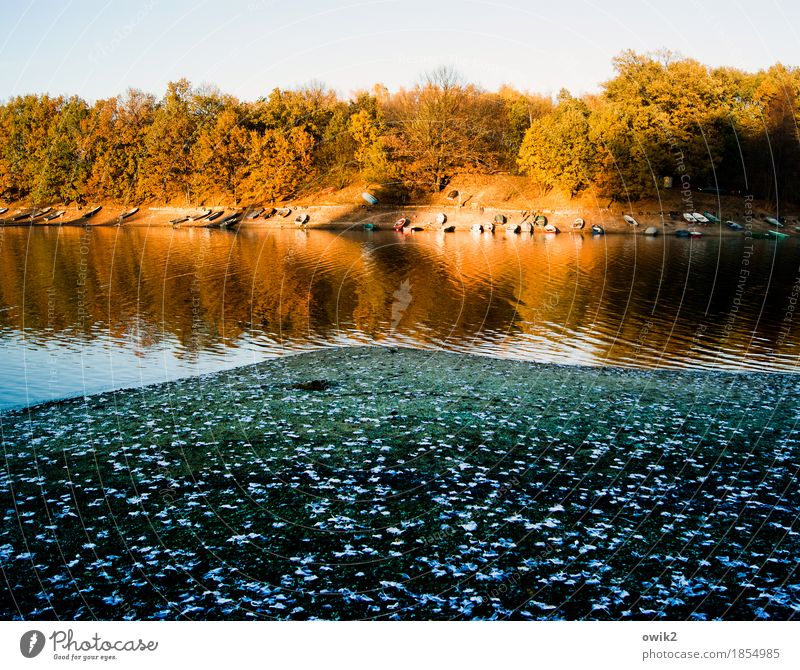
[(98, 48)]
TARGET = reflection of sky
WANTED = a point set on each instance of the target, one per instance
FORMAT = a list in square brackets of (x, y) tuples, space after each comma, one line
[(174, 312), (97, 48), (48, 370)]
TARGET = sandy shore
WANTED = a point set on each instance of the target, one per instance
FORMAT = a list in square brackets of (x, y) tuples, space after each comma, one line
[(400, 484), (341, 217)]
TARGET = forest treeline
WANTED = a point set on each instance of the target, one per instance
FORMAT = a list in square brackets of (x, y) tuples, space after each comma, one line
[(659, 116)]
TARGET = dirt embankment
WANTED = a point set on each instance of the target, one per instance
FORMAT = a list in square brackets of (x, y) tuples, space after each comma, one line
[(465, 202)]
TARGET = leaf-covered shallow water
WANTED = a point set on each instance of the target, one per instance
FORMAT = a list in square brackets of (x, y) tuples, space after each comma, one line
[(400, 484)]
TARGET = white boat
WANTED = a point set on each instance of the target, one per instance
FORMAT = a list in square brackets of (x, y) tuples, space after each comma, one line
[(651, 231), (689, 217), (700, 218), (476, 228), (512, 227), (630, 220), (550, 228), (578, 224), (441, 217)]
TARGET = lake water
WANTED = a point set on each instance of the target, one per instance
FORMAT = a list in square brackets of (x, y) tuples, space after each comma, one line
[(83, 311)]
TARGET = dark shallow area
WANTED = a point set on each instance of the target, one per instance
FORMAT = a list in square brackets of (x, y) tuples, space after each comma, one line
[(393, 483)]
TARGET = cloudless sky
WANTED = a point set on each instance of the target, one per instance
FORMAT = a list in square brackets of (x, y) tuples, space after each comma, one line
[(98, 48)]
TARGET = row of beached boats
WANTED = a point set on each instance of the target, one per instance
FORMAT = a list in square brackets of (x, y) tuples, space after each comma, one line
[(211, 218), (530, 223), (48, 216)]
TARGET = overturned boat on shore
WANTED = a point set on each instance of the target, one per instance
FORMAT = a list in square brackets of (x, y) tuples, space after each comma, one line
[(52, 216), (230, 220), (202, 215), (630, 220)]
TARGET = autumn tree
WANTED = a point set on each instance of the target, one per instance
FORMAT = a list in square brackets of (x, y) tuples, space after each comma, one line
[(442, 127), (557, 150), (25, 126), (281, 161), (116, 135), (167, 166), (222, 155), (519, 111)]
